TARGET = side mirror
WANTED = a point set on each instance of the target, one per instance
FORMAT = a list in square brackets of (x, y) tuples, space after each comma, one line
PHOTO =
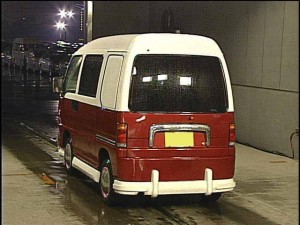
[(57, 85)]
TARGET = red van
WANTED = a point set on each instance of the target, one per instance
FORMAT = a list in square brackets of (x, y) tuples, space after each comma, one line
[(150, 114)]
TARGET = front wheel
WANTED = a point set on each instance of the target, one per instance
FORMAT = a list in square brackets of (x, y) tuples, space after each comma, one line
[(106, 182), (68, 157)]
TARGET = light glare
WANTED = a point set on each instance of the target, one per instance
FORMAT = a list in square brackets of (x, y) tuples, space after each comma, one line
[(60, 25), (70, 14), (62, 13)]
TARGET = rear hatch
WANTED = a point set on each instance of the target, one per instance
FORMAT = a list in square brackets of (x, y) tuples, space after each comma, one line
[(178, 102)]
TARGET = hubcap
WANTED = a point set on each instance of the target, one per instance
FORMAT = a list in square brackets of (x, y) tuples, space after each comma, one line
[(105, 182)]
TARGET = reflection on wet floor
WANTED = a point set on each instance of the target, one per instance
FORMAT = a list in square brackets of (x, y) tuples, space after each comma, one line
[(46, 179), (23, 77)]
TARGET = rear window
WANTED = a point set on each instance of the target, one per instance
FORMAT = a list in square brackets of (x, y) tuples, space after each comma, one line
[(177, 83)]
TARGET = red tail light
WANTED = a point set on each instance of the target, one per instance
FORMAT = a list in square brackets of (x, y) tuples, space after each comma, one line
[(121, 135), (231, 134)]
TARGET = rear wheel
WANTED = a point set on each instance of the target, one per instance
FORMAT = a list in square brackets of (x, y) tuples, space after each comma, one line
[(106, 182), (212, 198)]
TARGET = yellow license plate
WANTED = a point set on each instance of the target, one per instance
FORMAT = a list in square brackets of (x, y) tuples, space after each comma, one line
[(179, 139)]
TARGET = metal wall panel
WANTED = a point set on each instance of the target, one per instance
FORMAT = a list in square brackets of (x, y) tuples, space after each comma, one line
[(289, 79), (273, 44), (266, 118), (237, 66), (255, 43)]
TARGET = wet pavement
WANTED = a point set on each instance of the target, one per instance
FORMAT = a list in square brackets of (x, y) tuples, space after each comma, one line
[(37, 190), (29, 100)]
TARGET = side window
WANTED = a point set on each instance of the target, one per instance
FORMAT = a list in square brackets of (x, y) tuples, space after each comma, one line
[(111, 81), (90, 75), (72, 74)]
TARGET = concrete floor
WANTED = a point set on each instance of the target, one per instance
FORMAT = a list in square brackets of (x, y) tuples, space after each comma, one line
[(269, 184), (267, 188), (26, 199)]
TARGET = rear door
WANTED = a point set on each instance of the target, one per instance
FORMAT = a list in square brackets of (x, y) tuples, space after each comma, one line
[(178, 101)]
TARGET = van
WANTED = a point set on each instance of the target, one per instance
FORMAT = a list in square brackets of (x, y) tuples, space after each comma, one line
[(149, 114), (20, 49)]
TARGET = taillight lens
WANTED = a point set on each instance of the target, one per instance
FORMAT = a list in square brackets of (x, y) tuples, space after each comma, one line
[(121, 135), (231, 134)]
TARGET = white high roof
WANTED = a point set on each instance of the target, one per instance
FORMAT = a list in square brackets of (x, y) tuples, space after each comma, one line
[(153, 43), (117, 42), (165, 43)]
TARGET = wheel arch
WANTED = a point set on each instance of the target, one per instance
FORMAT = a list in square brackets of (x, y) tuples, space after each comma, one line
[(105, 153)]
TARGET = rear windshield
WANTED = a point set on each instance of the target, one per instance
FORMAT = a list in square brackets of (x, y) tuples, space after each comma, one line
[(177, 83)]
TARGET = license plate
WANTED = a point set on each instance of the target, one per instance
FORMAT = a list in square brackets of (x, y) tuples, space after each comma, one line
[(179, 139)]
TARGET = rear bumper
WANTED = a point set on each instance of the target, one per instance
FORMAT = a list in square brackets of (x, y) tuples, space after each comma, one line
[(156, 187), (174, 168)]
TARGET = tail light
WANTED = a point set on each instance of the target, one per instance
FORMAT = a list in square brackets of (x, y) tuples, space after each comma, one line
[(231, 134), (121, 135)]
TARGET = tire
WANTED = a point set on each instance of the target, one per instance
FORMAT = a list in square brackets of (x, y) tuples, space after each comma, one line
[(106, 182), (212, 198), (68, 157)]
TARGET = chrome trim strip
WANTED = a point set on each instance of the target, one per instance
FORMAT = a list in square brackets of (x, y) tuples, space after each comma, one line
[(178, 127), (121, 145), (106, 140)]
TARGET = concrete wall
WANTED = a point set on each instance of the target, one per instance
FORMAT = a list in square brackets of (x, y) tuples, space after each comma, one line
[(260, 40)]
